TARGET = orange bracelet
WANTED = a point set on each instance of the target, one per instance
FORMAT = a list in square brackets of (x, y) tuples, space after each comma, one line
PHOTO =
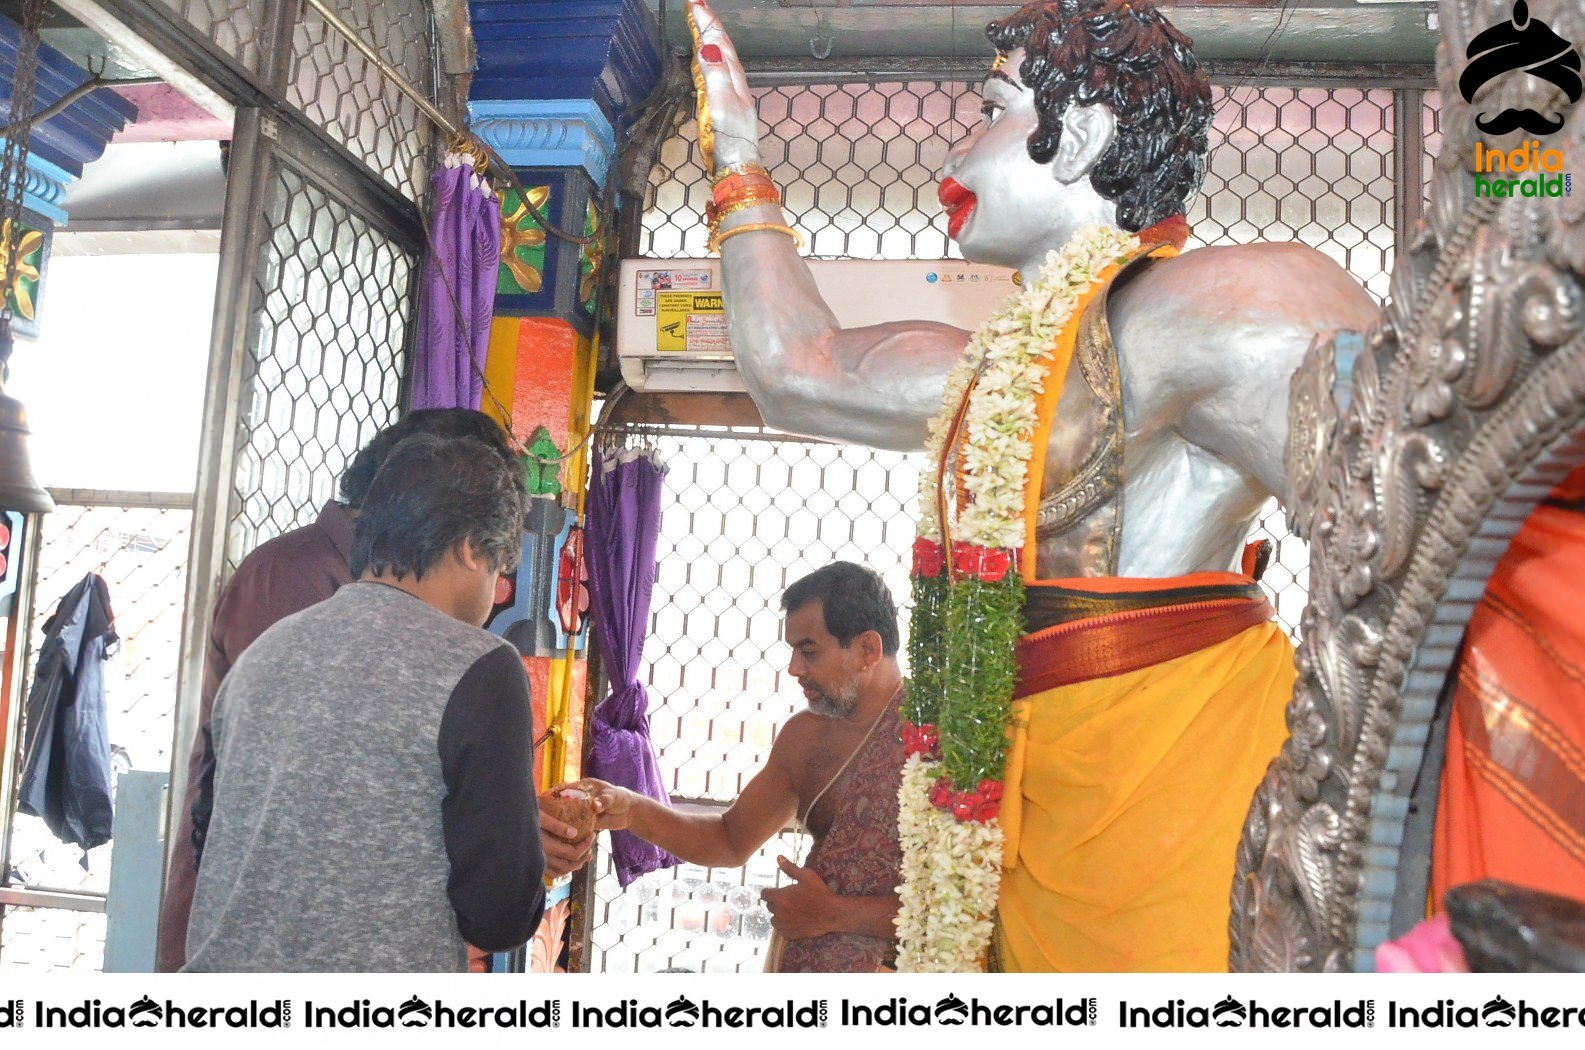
[(714, 213), (736, 185)]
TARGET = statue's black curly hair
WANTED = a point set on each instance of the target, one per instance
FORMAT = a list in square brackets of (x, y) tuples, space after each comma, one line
[(1125, 55)]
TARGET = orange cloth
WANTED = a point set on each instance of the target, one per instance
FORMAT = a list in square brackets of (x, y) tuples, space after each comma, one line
[(1512, 801)]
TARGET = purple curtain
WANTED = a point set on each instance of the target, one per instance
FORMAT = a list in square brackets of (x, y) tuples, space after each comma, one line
[(623, 524), (459, 289)]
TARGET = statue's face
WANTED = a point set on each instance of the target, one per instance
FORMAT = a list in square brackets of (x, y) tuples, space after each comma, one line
[(1002, 207)]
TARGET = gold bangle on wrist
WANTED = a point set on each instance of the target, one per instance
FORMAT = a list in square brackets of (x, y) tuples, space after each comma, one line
[(752, 227)]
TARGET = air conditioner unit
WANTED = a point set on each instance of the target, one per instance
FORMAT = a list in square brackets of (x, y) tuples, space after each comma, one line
[(671, 325)]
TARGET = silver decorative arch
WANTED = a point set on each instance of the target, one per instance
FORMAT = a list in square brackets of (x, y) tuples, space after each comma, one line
[(1415, 456)]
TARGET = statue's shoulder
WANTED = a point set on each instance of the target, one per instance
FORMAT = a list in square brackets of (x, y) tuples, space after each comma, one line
[(1265, 265), (1225, 288)]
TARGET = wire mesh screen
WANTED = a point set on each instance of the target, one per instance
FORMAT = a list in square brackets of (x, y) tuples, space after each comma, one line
[(326, 361), (1431, 127), (141, 553), (858, 165), (340, 90), (745, 513), (232, 25), (1312, 165), (701, 920), (329, 81)]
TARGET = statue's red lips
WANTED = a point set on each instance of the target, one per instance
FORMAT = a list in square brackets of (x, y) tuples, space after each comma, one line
[(958, 200)]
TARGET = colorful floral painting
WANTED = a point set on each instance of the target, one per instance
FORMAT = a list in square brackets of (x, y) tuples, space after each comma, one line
[(522, 243), (23, 295), (589, 263)]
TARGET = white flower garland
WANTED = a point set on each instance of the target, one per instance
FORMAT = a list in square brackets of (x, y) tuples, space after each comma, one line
[(952, 872), (952, 869), (1010, 353)]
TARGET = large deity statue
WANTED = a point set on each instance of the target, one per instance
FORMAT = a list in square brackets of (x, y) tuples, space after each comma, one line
[(1098, 685)]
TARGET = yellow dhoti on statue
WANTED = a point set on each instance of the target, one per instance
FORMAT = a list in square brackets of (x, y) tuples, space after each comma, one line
[(1126, 792)]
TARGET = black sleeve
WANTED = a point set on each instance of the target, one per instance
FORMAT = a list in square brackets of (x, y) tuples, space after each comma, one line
[(203, 794), (490, 815)]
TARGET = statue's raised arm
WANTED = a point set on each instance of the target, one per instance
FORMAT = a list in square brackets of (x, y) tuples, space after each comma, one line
[(873, 386)]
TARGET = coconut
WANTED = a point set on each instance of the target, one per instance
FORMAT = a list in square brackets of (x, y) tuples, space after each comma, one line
[(570, 806)]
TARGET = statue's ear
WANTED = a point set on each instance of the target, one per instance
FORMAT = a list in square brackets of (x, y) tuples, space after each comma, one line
[(1087, 133)]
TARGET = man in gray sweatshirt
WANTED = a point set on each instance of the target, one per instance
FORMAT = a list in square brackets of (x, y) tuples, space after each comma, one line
[(372, 805)]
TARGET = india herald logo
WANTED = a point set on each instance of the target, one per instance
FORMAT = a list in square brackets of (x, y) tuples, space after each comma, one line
[(682, 1012), (415, 1013), (1498, 1013), (145, 1013), (1521, 43), (1229, 1013), (951, 1010)]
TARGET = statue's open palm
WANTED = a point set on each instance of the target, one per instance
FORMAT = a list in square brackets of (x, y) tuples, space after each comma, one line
[(726, 88)]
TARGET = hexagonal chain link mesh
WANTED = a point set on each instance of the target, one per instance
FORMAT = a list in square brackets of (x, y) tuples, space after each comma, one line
[(141, 552), (857, 165), (326, 360), (1312, 165), (233, 25), (744, 514), (338, 89), (747, 513), (331, 83)]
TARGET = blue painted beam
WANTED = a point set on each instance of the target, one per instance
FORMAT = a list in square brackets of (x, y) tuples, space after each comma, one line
[(605, 50), (77, 136)]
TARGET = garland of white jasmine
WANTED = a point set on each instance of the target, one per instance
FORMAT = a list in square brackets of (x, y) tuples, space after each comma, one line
[(968, 612)]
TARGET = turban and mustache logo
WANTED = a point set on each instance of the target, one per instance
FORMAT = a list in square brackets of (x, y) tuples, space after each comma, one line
[(1527, 44)]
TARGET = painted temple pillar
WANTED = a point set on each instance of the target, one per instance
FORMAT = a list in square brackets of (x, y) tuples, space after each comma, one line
[(556, 83)]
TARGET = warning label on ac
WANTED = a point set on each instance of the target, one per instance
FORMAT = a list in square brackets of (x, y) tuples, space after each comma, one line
[(691, 321)]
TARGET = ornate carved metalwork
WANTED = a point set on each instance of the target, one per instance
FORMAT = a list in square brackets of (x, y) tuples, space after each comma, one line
[(1466, 404)]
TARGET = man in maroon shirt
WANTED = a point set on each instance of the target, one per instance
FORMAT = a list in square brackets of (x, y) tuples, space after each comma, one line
[(286, 575)]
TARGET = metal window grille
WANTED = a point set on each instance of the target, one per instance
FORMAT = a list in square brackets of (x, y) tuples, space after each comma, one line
[(319, 257), (339, 90), (745, 514), (235, 26), (1312, 165), (138, 542), (330, 83), (326, 358)]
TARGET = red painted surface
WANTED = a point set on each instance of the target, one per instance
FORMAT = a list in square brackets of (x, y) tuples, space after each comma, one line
[(542, 393)]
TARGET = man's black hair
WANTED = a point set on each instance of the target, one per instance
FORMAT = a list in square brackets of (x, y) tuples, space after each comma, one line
[(1125, 55), (442, 422), (852, 598), (431, 494)]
